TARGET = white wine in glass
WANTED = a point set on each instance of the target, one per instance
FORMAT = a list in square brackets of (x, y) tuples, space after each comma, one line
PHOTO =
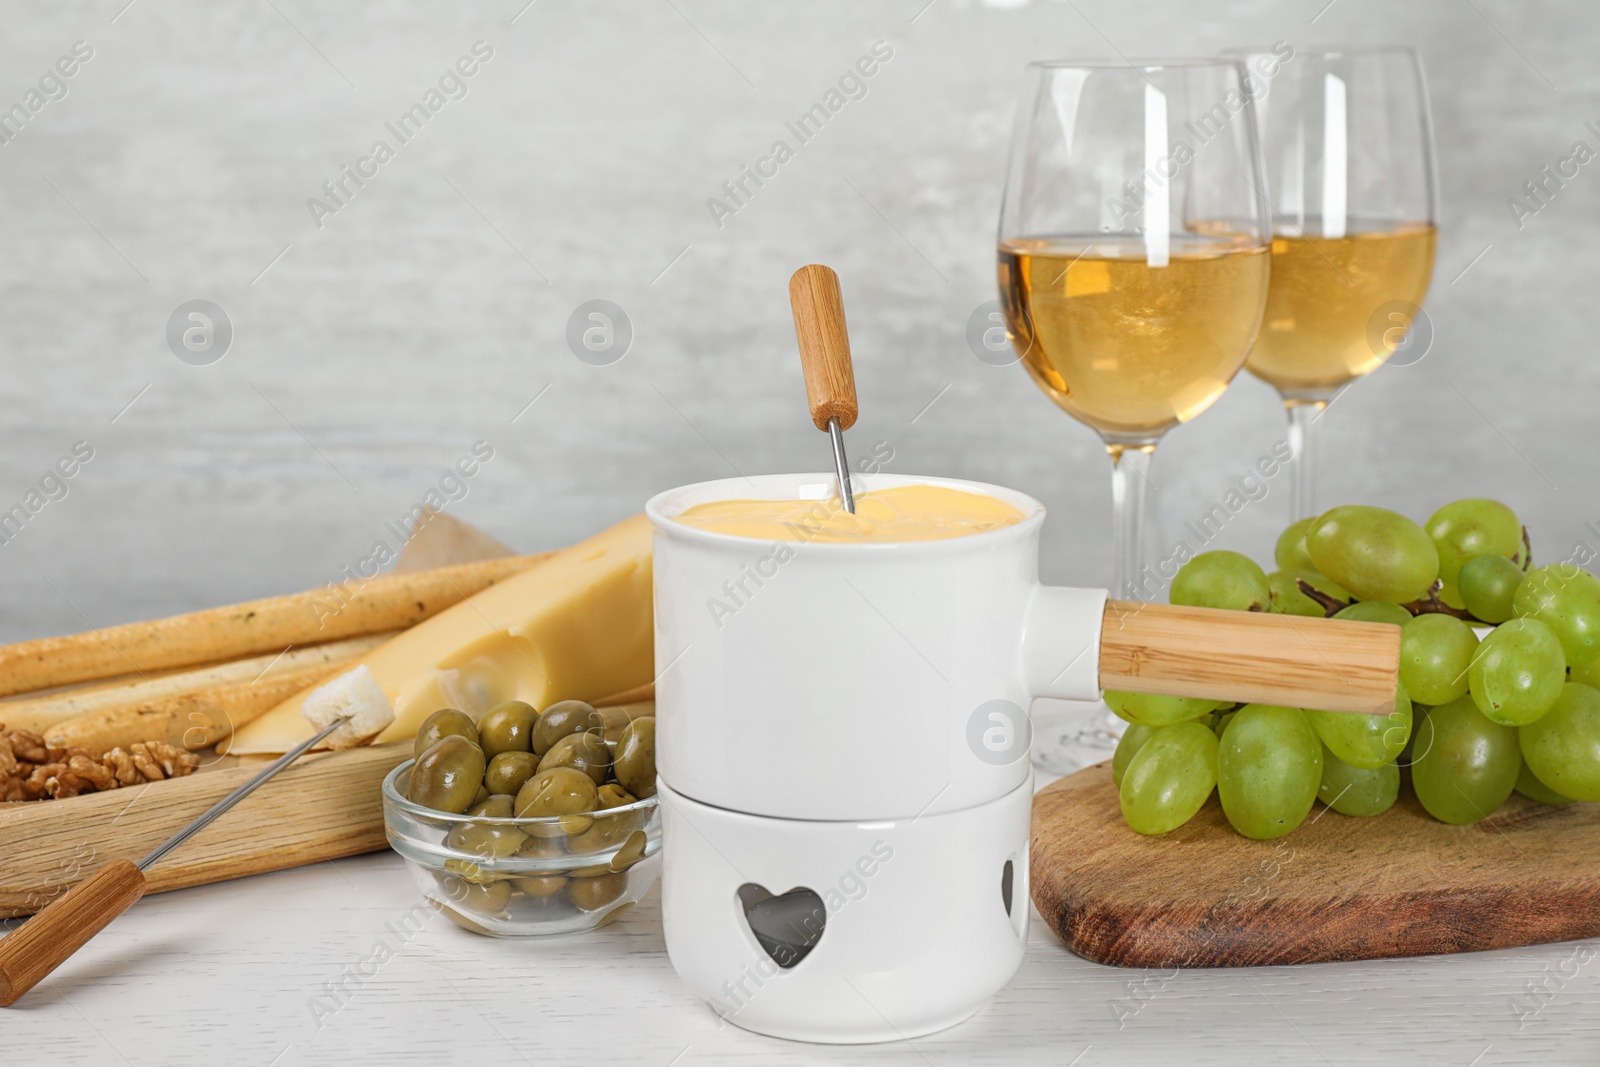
[(1128, 348), (1133, 266), (1349, 160)]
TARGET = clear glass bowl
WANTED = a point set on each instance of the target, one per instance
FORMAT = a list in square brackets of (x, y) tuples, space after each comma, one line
[(525, 877)]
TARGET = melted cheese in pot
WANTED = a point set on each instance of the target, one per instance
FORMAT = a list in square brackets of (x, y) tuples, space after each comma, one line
[(903, 513)]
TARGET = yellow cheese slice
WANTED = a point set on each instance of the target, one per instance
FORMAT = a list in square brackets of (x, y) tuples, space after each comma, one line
[(575, 626)]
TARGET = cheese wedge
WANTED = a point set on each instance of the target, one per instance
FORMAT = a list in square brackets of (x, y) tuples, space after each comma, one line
[(574, 626)]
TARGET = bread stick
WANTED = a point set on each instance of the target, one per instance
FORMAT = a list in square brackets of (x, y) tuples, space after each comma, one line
[(350, 609)]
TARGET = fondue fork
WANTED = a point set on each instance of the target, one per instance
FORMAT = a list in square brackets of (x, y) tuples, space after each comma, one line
[(825, 358)]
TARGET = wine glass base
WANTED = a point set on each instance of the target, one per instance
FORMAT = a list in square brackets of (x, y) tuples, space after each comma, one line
[(1069, 735)]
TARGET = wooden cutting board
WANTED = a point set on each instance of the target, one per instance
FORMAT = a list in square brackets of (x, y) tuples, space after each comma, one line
[(1338, 888)]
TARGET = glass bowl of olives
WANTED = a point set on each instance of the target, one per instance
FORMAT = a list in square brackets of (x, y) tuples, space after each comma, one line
[(526, 822)]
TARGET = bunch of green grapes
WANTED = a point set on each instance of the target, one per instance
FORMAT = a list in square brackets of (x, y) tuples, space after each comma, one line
[(1499, 680)]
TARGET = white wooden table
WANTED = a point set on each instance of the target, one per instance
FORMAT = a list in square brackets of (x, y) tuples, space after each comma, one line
[(286, 969)]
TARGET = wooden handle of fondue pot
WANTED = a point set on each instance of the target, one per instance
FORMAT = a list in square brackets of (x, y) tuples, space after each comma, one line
[(824, 345), (43, 943), (1249, 656)]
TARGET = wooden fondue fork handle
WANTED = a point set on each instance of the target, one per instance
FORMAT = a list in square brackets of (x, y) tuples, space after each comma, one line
[(824, 345), (1249, 656), (40, 945), (825, 358)]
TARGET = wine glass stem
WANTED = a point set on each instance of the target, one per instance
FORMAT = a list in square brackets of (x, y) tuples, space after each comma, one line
[(1130, 481), (1303, 416)]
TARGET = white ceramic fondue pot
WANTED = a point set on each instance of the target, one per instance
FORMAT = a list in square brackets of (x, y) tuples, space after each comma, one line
[(838, 681), (842, 750)]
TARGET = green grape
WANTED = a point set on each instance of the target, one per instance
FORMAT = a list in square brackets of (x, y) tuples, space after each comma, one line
[(1268, 768), (1375, 553), (1359, 791), (1375, 611), (1290, 552), (1465, 765), (1365, 741), (1566, 599), (1517, 672), (1223, 719), (1449, 595), (1563, 747), (1488, 585), (1528, 785), (1133, 739), (1287, 599), (1170, 778), (1435, 654), (1151, 709), (1221, 579), (1466, 529)]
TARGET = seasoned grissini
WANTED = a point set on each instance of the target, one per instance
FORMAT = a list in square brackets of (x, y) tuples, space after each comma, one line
[(192, 721), (387, 602), (43, 713)]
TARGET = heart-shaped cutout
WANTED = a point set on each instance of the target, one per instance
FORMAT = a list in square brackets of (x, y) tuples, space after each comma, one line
[(787, 926)]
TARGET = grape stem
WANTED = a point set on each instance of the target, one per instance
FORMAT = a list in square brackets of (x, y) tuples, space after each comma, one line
[(1432, 605), (1330, 604), (1527, 551), (1429, 605)]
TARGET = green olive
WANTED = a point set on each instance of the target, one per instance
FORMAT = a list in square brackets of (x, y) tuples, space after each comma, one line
[(440, 723), (482, 899), (635, 764), (607, 832), (482, 795), (542, 885), (631, 852), (573, 825), (508, 771), (485, 841), (582, 752), (542, 848), (471, 871), (448, 775), (613, 795), (592, 894), (560, 791), (507, 728), (560, 719), (498, 806)]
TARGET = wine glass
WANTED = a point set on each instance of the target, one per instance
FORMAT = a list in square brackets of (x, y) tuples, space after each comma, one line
[(1348, 145), (1133, 263)]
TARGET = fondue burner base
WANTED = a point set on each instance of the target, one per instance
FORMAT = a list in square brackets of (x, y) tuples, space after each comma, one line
[(845, 932)]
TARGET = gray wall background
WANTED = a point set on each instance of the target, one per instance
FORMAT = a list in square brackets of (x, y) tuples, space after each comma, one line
[(432, 307)]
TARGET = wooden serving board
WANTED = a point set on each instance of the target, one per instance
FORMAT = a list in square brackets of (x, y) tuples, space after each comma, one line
[(1338, 888), (324, 806)]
